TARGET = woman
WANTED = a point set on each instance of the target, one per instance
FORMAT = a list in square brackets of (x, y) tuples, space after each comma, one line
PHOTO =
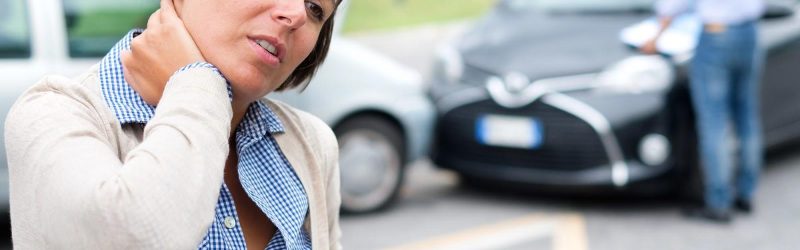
[(94, 164)]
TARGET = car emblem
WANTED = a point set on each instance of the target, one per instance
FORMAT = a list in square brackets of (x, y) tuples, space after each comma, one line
[(515, 82)]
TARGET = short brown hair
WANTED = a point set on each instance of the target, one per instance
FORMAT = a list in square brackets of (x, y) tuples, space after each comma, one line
[(303, 73)]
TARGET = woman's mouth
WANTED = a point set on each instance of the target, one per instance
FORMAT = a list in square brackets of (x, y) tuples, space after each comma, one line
[(268, 47), (266, 52)]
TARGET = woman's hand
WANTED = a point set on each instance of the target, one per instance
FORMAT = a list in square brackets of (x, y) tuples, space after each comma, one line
[(163, 48)]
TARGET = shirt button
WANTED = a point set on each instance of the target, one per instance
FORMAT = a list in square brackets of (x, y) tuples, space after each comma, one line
[(230, 222)]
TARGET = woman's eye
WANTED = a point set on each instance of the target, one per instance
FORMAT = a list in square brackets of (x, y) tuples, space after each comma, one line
[(315, 10)]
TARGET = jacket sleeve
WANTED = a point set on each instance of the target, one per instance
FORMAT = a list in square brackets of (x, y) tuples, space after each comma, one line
[(71, 189)]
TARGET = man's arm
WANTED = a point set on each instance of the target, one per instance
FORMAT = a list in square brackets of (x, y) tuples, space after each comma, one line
[(666, 10), (650, 46)]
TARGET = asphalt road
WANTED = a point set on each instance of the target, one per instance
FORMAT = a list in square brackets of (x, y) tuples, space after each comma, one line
[(436, 212)]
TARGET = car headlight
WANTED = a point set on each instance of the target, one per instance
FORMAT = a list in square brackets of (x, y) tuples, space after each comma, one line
[(654, 149), (449, 66), (637, 74)]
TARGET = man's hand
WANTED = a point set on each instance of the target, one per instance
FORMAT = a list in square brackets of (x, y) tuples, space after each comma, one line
[(649, 47), (163, 48)]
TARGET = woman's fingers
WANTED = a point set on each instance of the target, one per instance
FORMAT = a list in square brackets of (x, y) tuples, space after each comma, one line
[(154, 19), (143, 70), (163, 48), (126, 56), (168, 11), (172, 26)]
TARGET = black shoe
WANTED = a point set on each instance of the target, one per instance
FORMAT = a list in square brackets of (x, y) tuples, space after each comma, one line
[(743, 206), (708, 214)]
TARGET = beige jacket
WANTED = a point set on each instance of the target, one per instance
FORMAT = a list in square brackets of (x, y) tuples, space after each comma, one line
[(79, 180)]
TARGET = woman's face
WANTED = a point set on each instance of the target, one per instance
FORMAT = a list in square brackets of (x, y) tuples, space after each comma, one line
[(256, 44)]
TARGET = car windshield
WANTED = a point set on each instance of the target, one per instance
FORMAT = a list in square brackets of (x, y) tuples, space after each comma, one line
[(577, 5)]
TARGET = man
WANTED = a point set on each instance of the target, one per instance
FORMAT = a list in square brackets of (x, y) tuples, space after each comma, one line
[(724, 77)]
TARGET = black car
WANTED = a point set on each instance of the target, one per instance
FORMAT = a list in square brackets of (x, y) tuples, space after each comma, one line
[(544, 93)]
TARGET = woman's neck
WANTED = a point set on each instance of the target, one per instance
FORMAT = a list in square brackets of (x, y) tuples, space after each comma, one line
[(239, 111)]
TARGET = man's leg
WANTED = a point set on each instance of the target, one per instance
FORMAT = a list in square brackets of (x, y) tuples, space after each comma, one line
[(747, 119), (710, 90)]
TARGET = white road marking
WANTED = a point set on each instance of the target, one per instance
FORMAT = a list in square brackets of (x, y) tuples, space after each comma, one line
[(568, 232)]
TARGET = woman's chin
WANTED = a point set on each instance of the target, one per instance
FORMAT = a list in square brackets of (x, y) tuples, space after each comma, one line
[(250, 86), (250, 91)]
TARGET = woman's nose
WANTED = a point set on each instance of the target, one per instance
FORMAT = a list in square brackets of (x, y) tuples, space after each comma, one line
[(291, 13)]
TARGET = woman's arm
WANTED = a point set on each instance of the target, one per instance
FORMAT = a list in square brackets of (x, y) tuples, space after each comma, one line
[(71, 189), (70, 185)]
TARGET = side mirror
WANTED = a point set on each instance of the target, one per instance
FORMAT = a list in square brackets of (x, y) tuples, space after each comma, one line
[(776, 11)]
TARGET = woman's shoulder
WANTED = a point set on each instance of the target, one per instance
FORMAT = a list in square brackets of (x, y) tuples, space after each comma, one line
[(304, 126), (83, 88), (293, 118), (60, 94)]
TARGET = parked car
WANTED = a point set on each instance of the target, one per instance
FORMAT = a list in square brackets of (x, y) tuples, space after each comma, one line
[(377, 108), (544, 94)]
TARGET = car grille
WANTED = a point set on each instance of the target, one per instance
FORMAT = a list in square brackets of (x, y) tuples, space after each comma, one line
[(569, 142)]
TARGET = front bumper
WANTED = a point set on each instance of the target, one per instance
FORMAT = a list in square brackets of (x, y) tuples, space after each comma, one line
[(597, 176), (590, 139)]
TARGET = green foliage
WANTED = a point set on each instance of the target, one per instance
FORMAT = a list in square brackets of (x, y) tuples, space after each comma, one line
[(109, 23), (384, 14)]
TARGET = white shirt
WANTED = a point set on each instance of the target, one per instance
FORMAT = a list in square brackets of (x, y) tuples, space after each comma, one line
[(728, 12)]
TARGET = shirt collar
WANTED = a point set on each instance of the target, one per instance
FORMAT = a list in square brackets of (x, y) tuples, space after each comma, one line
[(124, 102), (129, 107), (260, 120)]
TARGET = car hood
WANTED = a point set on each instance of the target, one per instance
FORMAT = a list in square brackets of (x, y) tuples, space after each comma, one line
[(544, 45)]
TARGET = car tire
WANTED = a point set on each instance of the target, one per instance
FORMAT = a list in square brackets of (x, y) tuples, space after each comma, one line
[(689, 178), (371, 160), (693, 181)]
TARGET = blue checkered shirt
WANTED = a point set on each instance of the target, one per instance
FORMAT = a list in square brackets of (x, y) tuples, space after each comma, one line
[(264, 172)]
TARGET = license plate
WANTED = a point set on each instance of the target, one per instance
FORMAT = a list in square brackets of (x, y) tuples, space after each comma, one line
[(509, 131)]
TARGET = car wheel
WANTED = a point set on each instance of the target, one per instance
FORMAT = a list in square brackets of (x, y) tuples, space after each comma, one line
[(689, 179), (371, 160), (693, 181)]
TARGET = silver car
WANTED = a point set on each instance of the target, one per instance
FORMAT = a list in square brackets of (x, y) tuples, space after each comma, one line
[(377, 107)]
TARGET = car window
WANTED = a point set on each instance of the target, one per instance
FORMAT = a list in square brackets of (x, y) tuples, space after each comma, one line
[(94, 26), (15, 36)]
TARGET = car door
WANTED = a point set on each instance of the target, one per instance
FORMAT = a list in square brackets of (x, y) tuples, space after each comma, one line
[(780, 92)]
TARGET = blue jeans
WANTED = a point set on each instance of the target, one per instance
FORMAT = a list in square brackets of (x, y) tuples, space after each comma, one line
[(724, 78)]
